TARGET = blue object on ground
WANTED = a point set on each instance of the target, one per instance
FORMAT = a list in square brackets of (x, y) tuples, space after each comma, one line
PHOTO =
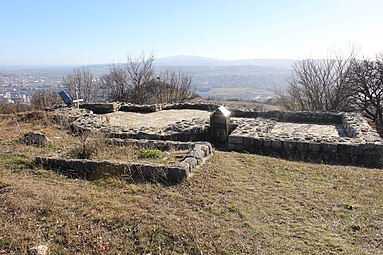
[(66, 98)]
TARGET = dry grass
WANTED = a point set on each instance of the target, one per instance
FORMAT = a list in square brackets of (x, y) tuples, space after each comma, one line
[(94, 146), (234, 204), (129, 154)]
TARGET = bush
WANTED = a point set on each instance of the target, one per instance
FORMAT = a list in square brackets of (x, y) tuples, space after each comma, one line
[(47, 98), (90, 145), (9, 108)]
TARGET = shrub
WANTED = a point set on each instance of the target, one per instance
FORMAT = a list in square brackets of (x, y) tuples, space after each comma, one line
[(90, 145), (150, 154)]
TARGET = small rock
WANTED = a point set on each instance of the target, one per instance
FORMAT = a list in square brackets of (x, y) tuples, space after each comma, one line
[(34, 138), (38, 250)]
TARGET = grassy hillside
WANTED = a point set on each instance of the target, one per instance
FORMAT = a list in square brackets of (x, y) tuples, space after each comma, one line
[(234, 204)]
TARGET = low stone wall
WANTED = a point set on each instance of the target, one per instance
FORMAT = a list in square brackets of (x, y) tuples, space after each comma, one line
[(183, 130), (353, 141), (348, 153), (191, 106), (140, 108), (355, 144), (101, 108), (133, 172), (290, 116), (153, 144), (357, 126), (190, 134)]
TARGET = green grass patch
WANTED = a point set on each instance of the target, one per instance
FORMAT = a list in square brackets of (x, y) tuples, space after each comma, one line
[(151, 154), (15, 161)]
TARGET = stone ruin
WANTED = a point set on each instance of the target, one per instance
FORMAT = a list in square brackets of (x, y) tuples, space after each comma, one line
[(323, 137), (137, 172)]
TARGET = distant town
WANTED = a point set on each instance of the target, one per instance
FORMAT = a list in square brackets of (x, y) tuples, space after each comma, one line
[(19, 87), (248, 79)]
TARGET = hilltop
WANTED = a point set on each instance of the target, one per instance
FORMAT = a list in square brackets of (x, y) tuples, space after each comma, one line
[(234, 204)]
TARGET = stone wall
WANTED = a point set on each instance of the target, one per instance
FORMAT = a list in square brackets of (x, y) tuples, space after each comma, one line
[(140, 108), (101, 108), (153, 144), (290, 116), (183, 130), (356, 143), (134, 172), (338, 138), (191, 106)]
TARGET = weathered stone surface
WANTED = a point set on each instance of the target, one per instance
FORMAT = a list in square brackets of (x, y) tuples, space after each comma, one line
[(39, 250), (191, 162), (276, 144), (341, 138), (140, 108), (34, 138), (330, 147), (236, 139), (319, 136), (101, 108), (192, 106), (315, 147)]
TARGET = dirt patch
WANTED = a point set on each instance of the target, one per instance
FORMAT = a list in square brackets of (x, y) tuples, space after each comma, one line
[(159, 119)]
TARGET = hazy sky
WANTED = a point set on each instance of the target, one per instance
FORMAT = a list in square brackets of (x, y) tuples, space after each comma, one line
[(48, 32)]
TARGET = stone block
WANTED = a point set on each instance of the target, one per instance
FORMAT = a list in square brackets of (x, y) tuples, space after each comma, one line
[(236, 139), (344, 148), (276, 144), (371, 149), (302, 146), (248, 141), (267, 143), (101, 108), (239, 147), (192, 163), (330, 147), (231, 146), (354, 149), (289, 145), (314, 147), (259, 142)]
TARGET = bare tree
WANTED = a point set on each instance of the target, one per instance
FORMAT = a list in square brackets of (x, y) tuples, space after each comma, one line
[(45, 98), (140, 72), (137, 83), (318, 85), (366, 82), (175, 87), (116, 84), (80, 83)]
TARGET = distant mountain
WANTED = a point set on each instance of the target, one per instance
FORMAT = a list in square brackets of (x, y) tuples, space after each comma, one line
[(185, 60)]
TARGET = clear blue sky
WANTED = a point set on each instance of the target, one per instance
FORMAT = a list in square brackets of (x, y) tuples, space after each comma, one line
[(50, 32)]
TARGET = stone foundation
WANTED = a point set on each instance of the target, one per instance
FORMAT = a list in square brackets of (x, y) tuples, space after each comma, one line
[(347, 139), (325, 137), (101, 108), (135, 172)]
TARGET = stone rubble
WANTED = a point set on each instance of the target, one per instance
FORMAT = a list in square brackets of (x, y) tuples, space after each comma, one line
[(34, 138), (39, 250)]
